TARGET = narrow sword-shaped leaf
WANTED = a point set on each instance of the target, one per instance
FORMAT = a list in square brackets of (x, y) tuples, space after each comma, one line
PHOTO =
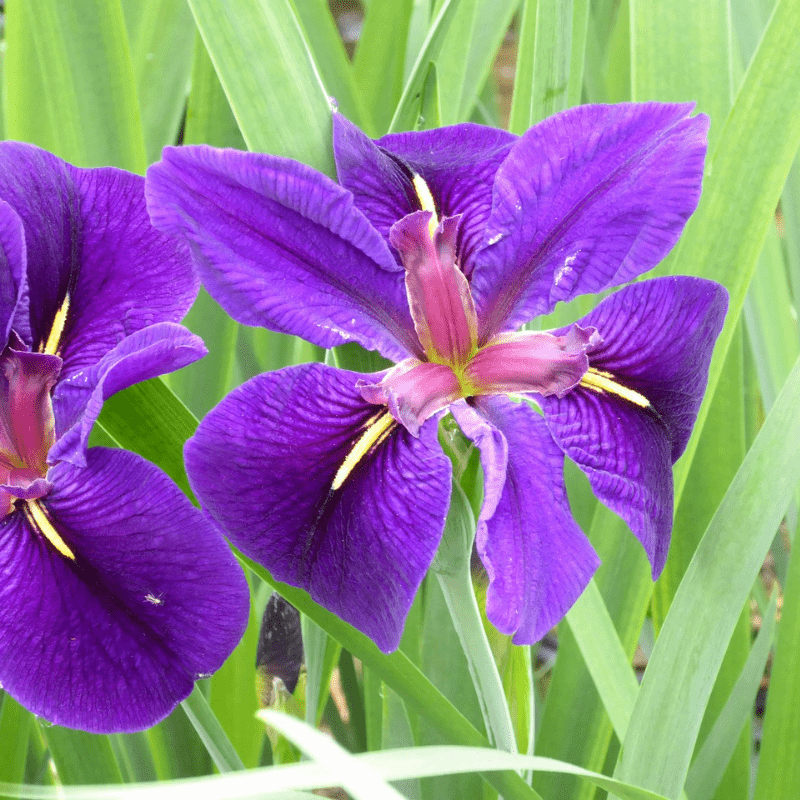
[(264, 63), (379, 59), (407, 111), (778, 770), (689, 651), (161, 34), (709, 764), (82, 104)]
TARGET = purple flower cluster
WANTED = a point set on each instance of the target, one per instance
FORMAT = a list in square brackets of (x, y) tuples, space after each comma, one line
[(433, 249)]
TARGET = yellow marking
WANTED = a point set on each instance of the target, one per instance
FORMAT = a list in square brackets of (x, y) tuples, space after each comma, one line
[(426, 202), (377, 430), (37, 517), (54, 339), (600, 382)]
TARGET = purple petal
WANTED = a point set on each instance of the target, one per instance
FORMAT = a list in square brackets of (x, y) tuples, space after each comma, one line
[(360, 543), (13, 264), (114, 639), (586, 200), (78, 399), (658, 337), (537, 558), (87, 234), (279, 245), (458, 163)]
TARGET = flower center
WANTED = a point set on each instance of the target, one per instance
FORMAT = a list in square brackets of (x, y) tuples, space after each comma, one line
[(27, 426), (452, 365)]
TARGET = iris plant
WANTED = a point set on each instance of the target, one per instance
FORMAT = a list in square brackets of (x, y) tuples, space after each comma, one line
[(115, 592), (433, 249)]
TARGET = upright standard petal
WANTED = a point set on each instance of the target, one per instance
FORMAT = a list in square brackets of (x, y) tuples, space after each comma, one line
[(279, 245), (537, 558), (96, 269), (458, 164), (110, 634), (587, 199), (325, 490), (630, 418)]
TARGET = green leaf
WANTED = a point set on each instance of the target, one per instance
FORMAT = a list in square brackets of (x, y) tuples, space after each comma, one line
[(406, 115), (398, 672), (275, 783), (778, 767), (379, 58), (468, 53), (690, 648), (219, 746), (81, 757), (709, 764), (162, 35), (209, 119), (549, 61), (724, 237), (15, 731), (264, 63), (607, 661), (321, 656), (80, 100), (335, 69), (681, 51), (359, 780), (233, 698)]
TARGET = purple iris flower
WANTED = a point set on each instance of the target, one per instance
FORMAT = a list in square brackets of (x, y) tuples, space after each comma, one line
[(115, 592), (433, 249)]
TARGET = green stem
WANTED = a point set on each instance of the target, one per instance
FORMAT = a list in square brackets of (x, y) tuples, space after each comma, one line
[(452, 568)]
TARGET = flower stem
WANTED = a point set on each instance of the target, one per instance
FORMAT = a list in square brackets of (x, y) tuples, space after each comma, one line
[(452, 568)]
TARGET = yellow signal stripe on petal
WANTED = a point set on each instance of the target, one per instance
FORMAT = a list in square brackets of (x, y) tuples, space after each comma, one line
[(426, 201), (38, 518), (59, 321), (376, 431), (600, 382)]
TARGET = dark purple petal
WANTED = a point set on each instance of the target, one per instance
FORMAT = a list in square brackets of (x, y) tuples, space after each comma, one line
[(281, 246), (268, 463), (78, 399), (586, 200), (87, 234), (537, 558), (458, 163), (658, 337), (13, 265), (114, 639)]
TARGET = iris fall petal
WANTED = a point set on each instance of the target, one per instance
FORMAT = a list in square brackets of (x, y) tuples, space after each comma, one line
[(273, 464)]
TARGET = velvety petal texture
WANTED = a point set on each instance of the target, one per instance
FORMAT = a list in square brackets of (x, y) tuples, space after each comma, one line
[(457, 163), (96, 259), (326, 490), (537, 558), (279, 245), (658, 337), (116, 593), (78, 399), (586, 200), (113, 639)]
